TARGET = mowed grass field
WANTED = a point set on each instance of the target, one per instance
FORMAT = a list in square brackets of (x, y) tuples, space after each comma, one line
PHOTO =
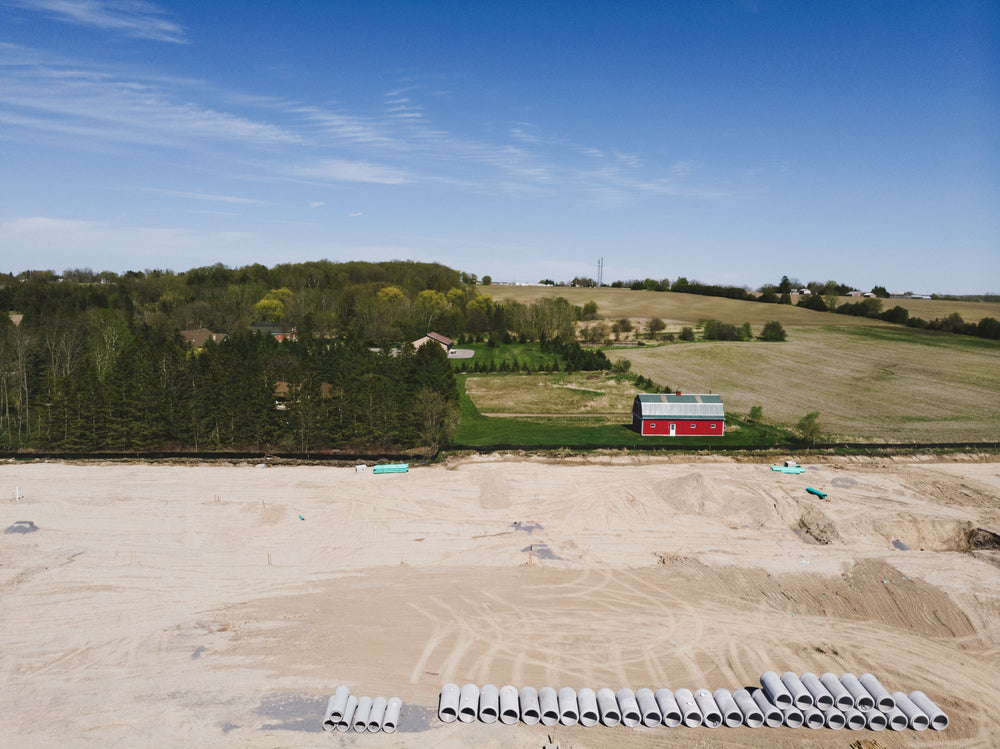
[(565, 393), (688, 309), (869, 383)]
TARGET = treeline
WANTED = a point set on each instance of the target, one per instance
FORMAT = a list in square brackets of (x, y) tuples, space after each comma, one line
[(110, 384), (380, 303), (987, 327)]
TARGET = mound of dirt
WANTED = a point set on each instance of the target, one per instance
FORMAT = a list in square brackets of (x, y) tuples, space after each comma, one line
[(816, 525)]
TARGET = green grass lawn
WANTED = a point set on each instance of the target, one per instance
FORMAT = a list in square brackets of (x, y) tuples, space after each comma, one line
[(525, 353)]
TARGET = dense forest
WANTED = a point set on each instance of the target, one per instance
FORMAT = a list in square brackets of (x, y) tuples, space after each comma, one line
[(96, 361)]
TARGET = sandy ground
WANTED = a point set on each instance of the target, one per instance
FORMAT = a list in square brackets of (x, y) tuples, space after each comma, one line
[(156, 605)]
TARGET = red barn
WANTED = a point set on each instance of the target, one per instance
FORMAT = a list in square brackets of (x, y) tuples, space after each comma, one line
[(679, 415)]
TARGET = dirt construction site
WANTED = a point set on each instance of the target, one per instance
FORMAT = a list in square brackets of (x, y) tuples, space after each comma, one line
[(222, 604)]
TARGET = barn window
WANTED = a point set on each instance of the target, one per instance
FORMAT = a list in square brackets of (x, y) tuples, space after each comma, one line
[(694, 426), (713, 425), (652, 425)]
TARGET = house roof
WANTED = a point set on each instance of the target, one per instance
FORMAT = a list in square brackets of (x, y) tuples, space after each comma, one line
[(199, 337), (443, 340), (694, 406)]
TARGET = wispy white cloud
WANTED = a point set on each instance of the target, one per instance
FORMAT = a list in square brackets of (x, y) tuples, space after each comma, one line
[(72, 104), (203, 196), (317, 204), (97, 103), (133, 18), (340, 170)]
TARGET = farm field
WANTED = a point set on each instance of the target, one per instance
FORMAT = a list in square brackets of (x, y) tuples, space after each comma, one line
[(869, 383), (220, 605), (690, 308)]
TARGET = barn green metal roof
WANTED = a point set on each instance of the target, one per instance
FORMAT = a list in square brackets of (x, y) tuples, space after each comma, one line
[(694, 406)]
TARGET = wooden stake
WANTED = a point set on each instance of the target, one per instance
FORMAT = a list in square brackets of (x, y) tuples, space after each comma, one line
[(268, 559)]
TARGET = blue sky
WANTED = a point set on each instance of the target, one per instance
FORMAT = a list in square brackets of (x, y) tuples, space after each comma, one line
[(728, 142)]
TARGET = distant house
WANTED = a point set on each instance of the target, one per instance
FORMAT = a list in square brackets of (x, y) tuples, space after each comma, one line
[(201, 336), (679, 415), (854, 293), (280, 330), (803, 292), (445, 342)]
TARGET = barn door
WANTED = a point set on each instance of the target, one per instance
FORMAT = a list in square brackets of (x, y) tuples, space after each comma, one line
[(673, 429)]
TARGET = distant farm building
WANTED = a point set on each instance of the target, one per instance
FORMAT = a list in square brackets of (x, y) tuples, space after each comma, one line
[(445, 342), (678, 415)]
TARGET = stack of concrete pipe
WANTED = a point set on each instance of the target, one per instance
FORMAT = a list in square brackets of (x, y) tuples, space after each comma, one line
[(791, 700), (345, 712)]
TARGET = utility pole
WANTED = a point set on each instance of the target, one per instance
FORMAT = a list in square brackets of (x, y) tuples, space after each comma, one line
[(600, 272)]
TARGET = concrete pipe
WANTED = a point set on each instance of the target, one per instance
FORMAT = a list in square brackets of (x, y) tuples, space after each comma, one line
[(688, 707), (773, 717), (776, 692), (800, 695), (883, 700), (586, 700), (468, 703), (813, 718), (548, 705), (710, 713), (391, 719), (939, 721), (917, 719), (362, 713), (855, 719), (377, 714), (670, 712), (569, 709), (607, 705), (862, 700), (448, 703), (631, 717), (792, 717), (509, 712), (841, 697), (527, 698), (752, 715), (348, 717), (876, 720), (329, 723), (897, 719), (335, 707), (731, 714), (647, 707), (822, 698), (489, 703), (834, 718)]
